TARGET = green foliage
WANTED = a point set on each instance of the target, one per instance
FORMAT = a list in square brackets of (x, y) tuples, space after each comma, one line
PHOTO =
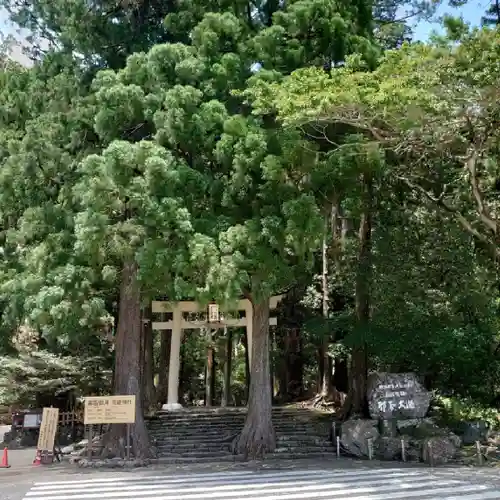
[(29, 376), (210, 149), (454, 411)]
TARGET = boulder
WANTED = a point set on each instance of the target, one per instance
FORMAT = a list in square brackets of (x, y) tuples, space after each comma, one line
[(388, 448), (438, 450), (420, 428), (473, 431), (397, 395), (354, 436)]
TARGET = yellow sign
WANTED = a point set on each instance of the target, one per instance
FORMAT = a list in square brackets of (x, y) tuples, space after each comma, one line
[(109, 410), (48, 429)]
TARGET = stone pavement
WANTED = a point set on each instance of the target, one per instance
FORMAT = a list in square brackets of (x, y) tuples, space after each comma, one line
[(376, 483), (268, 480)]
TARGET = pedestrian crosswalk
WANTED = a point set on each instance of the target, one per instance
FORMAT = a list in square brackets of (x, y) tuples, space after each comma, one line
[(361, 484)]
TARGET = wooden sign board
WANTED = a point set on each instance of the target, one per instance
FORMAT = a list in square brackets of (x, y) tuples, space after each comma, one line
[(48, 429), (109, 410)]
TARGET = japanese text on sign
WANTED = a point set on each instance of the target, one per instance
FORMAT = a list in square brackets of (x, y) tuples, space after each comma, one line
[(109, 410), (396, 397), (48, 429)]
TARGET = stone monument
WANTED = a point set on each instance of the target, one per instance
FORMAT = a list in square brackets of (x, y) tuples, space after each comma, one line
[(397, 396)]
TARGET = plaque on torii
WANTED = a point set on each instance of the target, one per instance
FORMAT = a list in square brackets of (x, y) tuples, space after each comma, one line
[(213, 313)]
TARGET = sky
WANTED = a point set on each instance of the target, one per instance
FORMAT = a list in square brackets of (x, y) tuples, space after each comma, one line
[(472, 13)]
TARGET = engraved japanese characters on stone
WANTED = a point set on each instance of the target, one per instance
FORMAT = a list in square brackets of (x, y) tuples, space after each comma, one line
[(400, 395)]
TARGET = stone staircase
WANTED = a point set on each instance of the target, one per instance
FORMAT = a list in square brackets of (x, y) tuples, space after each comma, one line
[(207, 434)]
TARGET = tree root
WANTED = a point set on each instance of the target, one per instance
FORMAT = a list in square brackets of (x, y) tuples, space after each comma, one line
[(256, 440), (113, 445)]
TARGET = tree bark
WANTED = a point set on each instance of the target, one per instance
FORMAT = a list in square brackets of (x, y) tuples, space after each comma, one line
[(128, 366), (247, 366), (209, 378), (226, 390), (165, 341), (258, 436), (359, 360), (325, 377), (295, 362), (149, 394)]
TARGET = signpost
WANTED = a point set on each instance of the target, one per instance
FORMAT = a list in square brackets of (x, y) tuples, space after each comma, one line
[(48, 430), (109, 410)]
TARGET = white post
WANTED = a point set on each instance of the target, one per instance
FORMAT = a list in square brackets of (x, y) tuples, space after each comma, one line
[(174, 364), (249, 321)]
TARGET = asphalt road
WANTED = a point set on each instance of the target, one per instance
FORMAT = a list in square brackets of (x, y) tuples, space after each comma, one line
[(329, 481)]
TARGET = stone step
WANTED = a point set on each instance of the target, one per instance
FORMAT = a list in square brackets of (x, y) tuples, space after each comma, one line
[(310, 431), (221, 451), (239, 458), (224, 453), (221, 422), (236, 418), (192, 445), (193, 440), (234, 430), (206, 435), (194, 429), (231, 410), (186, 421)]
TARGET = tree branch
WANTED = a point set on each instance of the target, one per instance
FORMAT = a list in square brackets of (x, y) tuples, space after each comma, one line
[(486, 218), (466, 224)]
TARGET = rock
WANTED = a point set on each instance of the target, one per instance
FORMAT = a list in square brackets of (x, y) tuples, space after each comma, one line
[(67, 450), (413, 450), (438, 450), (494, 438), (420, 428), (8, 437), (456, 440), (388, 448), (388, 428), (397, 395), (473, 431), (354, 435), (414, 422)]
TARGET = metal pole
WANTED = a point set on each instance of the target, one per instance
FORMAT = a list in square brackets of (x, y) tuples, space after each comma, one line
[(403, 450), (338, 447), (128, 441), (479, 454)]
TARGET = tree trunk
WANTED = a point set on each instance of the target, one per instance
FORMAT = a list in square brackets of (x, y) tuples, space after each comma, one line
[(272, 364), (148, 370), (128, 366), (209, 378), (295, 365), (226, 390), (258, 437), (325, 376), (165, 341), (247, 366), (359, 359)]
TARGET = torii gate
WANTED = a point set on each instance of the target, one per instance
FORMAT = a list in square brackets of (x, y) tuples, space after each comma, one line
[(179, 322)]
